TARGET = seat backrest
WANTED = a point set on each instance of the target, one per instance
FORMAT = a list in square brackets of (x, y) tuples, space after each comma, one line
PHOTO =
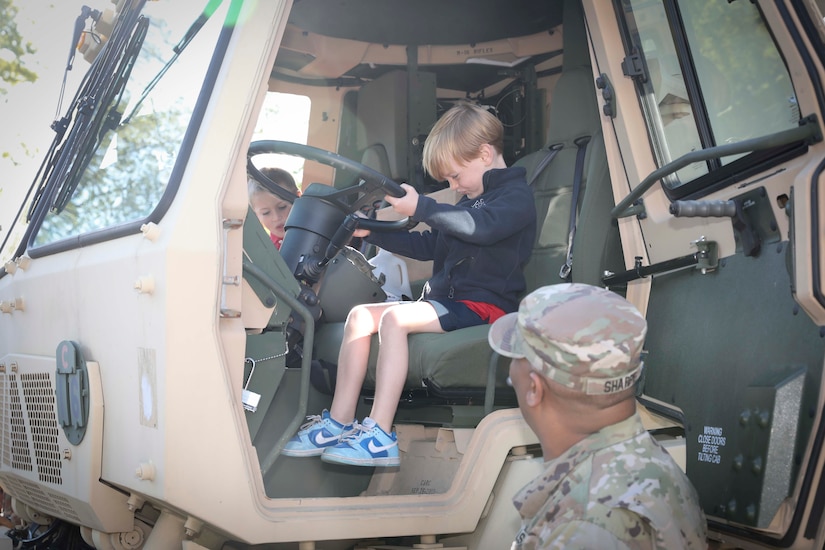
[(391, 111), (459, 360), (574, 114), (375, 157)]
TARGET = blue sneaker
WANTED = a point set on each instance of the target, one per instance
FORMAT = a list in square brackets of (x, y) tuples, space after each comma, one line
[(315, 435), (366, 445)]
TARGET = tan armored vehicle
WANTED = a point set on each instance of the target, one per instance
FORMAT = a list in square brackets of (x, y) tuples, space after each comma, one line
[(157, 351)]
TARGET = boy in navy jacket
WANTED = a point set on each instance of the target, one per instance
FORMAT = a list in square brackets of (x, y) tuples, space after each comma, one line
[(479, 248)]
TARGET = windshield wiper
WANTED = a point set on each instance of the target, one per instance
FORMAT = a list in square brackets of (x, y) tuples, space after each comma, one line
[(69, 154), (191, 32), (98, 111)]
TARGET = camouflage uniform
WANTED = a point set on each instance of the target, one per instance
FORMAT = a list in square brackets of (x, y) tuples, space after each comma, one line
[(617, 488)]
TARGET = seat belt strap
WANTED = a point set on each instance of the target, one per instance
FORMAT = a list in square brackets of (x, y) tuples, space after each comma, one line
[(546, 160), (581, 143)]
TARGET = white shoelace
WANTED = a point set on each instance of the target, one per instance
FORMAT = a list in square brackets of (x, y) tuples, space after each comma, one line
[(355, 433), (311, 421)]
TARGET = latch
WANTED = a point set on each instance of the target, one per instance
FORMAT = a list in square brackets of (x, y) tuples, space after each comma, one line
[(707, 255), (705, 259), (633, 66)]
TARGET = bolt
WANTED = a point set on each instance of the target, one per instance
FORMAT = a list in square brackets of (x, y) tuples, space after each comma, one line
[(750, 512), (756, 466)]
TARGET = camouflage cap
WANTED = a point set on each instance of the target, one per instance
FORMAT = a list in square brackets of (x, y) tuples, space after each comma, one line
[(583, 337)]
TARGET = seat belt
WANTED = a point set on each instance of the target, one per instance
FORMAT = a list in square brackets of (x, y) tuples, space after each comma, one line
[(551, 154), (581, 143)]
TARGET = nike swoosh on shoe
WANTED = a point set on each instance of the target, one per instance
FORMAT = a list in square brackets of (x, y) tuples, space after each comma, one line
[(373, 448), (320, 439)]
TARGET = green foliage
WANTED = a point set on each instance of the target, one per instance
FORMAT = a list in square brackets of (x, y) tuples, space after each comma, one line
[(740, 67), (13, 50), (125, 179)]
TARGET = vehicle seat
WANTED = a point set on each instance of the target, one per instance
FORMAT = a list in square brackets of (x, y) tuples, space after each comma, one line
[(375, 157), (455, 365)]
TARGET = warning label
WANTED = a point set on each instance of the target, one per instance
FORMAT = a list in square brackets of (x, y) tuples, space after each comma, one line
[(711, 440)]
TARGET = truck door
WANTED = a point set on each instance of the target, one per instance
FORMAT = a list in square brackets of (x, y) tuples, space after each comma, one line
[(724, 188)]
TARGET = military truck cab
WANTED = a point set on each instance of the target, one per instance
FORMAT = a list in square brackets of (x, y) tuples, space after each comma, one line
[(157, 351)]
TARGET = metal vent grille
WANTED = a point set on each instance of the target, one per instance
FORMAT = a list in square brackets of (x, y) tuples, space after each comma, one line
[(38, 392), (47, 501), (17, 445)]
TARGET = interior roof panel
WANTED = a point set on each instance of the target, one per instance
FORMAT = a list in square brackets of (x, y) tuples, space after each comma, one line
[(426, 21)]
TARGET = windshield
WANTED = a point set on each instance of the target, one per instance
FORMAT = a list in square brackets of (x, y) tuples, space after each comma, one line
[(126, 137)]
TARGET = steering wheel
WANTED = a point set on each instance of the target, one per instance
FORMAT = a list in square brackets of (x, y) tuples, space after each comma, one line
[(372, 185), (323, 219)]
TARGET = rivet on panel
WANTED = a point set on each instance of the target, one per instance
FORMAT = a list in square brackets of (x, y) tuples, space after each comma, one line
[(145, 284), (11, 267), (150, 231), (23, 262), (145, 471)]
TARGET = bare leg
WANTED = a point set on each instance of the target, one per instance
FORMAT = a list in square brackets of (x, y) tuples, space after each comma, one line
[(362, 322), (393, 355)]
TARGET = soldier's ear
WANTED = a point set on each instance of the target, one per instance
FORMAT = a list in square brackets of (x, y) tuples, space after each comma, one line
[(535, 390)]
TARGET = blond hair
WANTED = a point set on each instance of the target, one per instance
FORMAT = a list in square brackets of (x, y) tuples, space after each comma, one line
[(458, 136), (278, 176)]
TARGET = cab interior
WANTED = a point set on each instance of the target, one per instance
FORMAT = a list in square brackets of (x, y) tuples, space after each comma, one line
[(535, 75), (374, 103)]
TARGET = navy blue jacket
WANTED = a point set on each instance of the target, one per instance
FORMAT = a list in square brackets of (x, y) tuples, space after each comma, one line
[(479, 247)]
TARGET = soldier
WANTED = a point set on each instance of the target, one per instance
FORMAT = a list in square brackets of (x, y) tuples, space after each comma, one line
[(575, 353)]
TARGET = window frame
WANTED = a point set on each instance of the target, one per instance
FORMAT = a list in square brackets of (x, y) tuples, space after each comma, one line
[(34, 250), (719, 175)]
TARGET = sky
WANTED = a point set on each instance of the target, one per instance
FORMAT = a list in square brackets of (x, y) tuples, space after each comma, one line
[(28, 110)]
